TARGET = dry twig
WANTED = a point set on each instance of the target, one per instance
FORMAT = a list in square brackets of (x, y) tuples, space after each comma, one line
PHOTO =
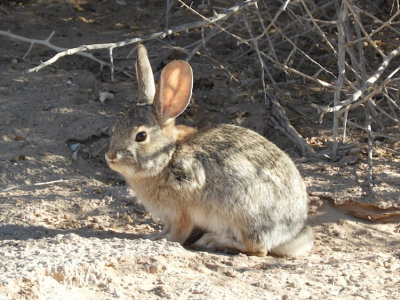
[(81, 50)]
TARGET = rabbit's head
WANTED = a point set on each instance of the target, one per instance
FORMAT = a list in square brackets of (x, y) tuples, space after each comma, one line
[(144, 139)]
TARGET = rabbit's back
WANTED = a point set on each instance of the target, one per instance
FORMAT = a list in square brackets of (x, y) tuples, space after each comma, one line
[(227, 160)]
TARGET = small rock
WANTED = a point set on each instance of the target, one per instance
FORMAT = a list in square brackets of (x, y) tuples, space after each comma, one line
[(14, 159), (155, 268), (108, 200), (127, 218), (18, 158), (343, 222), (228, 262), (211, 266), (229, 273), (97, 190), (75, 146), (161, 292), (387, 265), (103, 96), (94, 226)]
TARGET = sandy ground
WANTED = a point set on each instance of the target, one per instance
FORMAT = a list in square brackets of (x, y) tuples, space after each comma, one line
[(70, 229)]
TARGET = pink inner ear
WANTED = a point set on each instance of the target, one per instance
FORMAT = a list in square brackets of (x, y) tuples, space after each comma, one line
[(171, 88), (175, 88)]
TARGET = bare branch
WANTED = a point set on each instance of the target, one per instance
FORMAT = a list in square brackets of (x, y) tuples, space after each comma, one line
[(371, 80), (48, 44), (81, 50), (341, 71)]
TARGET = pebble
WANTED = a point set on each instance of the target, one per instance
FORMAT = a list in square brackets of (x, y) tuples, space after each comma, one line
[(155, 268), (229, 273), (343, 222), (103, 96), (161, 292), (75, 146), (228, 262), (94, 226), (201, 269), (127, 218), (18, 158), (97, 190)]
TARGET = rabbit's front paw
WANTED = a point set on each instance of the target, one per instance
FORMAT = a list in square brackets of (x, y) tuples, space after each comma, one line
[(207, 241), (155, 236)]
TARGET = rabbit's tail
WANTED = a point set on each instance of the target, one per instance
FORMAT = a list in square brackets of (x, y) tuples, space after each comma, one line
[(300, 245)]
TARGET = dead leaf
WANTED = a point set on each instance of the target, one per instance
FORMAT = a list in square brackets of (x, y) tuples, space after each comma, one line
[(365, 211)]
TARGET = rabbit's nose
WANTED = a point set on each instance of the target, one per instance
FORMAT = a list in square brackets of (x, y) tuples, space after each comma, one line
[(111, 155)]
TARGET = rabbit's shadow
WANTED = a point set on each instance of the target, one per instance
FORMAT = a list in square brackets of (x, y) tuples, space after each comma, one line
[(14, 232)]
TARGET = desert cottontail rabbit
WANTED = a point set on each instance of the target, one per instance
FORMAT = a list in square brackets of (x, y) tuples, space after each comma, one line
[(240, 189)]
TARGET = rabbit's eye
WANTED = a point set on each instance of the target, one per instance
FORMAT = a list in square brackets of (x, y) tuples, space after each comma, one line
[(141, 136)]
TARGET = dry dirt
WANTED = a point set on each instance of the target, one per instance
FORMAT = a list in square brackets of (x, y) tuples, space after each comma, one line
[(70, 229)]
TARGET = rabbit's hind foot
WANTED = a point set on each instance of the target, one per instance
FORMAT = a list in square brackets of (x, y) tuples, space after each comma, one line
[(227, 244)]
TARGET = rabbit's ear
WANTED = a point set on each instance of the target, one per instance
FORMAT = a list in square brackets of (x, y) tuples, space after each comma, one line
[(173, 90), (144, 74)]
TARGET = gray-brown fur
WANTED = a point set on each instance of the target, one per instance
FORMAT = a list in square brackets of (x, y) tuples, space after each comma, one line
[(239, 188)]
